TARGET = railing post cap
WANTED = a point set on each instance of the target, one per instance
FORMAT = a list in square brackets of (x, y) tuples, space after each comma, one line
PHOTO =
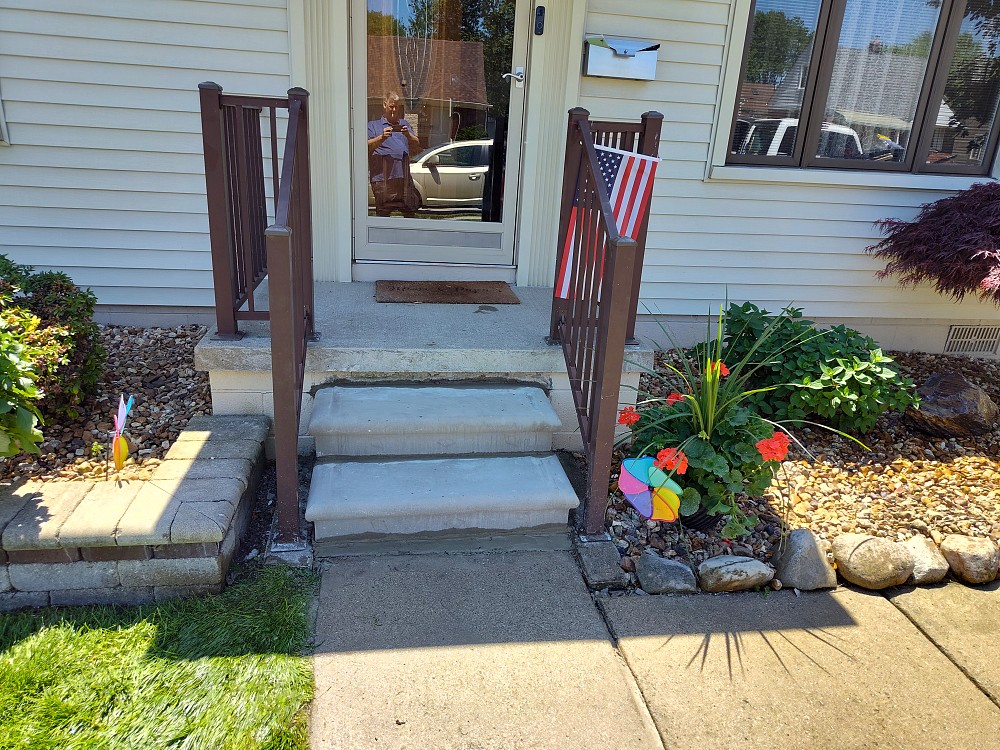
[(209, 85), (652, 115), (297, 91), (579, 112), (276, 230)]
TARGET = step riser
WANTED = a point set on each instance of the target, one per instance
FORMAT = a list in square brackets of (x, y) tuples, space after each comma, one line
[(420, 524), (453, 443)]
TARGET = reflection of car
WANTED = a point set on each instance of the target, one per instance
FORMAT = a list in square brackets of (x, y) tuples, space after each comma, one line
[(773, 137), (450, 175)]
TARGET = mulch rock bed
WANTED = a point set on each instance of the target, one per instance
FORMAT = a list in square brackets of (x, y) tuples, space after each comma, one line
[(908, 484), (156, 367)]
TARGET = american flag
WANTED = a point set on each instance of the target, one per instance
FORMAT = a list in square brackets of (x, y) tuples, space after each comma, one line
[(628, 178)]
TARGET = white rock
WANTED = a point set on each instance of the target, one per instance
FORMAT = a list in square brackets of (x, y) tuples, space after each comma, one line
[(803, 563), (872, 562), (929, 565), (732, 573), (972, 560)]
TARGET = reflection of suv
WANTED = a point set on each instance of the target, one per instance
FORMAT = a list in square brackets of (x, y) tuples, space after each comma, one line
[(451, 175), (777, 138)]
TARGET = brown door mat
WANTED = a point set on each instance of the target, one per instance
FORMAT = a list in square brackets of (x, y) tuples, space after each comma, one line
[(446, 292)]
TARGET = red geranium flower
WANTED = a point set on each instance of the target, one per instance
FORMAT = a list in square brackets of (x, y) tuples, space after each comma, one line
[(774, 448), (719, 367), (628, 416), (673, 398), (670, 459)]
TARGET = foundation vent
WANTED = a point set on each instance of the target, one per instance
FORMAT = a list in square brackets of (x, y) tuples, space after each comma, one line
[(982, 340)]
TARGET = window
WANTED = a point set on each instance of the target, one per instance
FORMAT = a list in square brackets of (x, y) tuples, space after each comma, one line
[(898, 85)]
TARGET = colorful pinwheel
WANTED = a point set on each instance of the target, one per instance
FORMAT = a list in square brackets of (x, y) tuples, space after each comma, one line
[(119, 445), (649, 490)]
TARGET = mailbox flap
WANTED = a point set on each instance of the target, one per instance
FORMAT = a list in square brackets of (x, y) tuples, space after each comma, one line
[(623, 47)]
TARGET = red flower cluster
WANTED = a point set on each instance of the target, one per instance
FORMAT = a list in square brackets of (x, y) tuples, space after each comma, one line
[(673, 398), (628, 416), (719, 366), (774, 448), (670, 459)]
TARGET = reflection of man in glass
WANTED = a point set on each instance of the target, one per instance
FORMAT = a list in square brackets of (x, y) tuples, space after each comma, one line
[(389, 141)]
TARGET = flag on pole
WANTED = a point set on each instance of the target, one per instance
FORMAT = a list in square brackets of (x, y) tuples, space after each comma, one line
[(628, 178)]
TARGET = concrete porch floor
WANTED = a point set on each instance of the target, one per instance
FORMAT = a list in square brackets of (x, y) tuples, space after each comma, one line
[(366, 341)]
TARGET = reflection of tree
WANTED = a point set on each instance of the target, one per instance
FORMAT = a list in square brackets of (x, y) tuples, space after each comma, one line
[(490, 22), (775, 45), (974, 77), (383, 24)]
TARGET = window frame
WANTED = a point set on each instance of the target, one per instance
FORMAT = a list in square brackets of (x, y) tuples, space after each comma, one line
[(818, 82)]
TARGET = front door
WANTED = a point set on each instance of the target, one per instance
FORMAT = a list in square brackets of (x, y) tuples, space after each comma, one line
[(437, 117)]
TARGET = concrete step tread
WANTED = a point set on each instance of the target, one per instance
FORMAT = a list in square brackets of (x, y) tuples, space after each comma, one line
[(430, 409), (417, 420), (431, 494)]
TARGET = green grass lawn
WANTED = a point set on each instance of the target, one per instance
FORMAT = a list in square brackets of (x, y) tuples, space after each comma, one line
[(215, 672)]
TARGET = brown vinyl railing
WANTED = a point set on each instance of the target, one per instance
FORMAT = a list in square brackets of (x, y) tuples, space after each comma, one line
[(245, 250), (597, 319), (237, 205)]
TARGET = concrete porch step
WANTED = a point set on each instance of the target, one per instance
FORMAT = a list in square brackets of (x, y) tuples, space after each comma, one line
[(416, 496), (431, 420)]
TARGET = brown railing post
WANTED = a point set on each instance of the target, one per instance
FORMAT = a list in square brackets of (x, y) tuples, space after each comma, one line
[(615, 287), (303, 193), (649, 144), (280, 267), (571, 175), (217, 191)]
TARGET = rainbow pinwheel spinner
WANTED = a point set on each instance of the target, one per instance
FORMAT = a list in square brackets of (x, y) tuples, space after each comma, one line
[(119, 445), (649, 490)]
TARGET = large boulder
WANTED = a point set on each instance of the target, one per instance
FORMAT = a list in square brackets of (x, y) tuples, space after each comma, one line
[(733, 573), (929, 565), (803, 564), (972, 560), (872, 562), (951, 406), (661, 575)]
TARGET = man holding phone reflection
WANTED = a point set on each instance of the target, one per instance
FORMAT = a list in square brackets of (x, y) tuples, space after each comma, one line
[(390, 139)]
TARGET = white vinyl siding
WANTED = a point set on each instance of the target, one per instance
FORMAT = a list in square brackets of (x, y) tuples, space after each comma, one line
[(105, 177), (768, 242)]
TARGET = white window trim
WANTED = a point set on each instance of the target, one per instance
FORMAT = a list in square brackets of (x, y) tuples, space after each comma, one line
[(718, 170)]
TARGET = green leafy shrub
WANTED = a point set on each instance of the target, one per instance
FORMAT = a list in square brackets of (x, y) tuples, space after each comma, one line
[(19, 416), (63, 348), (837, 375)]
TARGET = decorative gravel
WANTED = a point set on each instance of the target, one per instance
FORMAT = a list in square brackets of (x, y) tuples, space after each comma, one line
[(156, 367), (908, 483)]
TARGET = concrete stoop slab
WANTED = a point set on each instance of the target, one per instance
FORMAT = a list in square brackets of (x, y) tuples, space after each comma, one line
[(129, 542), (352, 498), (451, 652), (829, 670), (427, 420)]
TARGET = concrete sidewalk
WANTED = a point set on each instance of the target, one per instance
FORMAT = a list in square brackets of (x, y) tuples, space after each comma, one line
[(433, 652), (508, 650)]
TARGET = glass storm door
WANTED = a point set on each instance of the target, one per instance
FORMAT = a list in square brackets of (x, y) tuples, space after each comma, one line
[(437, 112)]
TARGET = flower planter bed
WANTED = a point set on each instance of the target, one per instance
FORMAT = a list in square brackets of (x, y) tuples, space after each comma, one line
[(156, 366), (908, 485), (134, 541)]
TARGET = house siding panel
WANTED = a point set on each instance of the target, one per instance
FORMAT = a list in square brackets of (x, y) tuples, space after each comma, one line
[(105, 179), (771, 243)]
